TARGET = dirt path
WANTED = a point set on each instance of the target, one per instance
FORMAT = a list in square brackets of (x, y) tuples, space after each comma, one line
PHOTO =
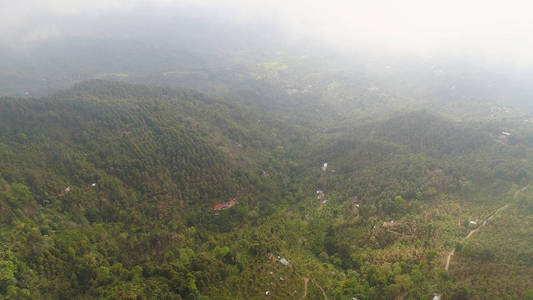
[(520, 190), (449, 258), (321, 289), (306, 280)]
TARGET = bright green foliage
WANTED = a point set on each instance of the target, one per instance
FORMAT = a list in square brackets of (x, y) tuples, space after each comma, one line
[(107, 191)]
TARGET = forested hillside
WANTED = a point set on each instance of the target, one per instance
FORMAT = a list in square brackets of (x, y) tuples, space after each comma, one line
[(104, 160), (118, 191)]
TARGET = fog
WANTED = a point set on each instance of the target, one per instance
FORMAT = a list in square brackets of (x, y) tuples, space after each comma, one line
[(495, 30), (50, 44)]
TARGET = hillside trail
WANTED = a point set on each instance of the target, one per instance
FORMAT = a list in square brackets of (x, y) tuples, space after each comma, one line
[(321, 289), (472, 232), (306, 280)]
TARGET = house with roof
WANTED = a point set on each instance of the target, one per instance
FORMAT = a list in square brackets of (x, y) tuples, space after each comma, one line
[(284, 261)]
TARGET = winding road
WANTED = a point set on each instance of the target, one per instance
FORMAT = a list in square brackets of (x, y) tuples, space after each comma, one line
[(321, 289), (449, 258)]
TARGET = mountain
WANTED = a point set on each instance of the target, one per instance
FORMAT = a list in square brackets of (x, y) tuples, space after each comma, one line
[(114, 190), (118, 159)]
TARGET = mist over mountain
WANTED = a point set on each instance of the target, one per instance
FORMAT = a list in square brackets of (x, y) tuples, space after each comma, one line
[(252, 150), (143, 41)]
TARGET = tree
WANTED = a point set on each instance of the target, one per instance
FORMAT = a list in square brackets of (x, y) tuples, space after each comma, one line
[(19, 194), (7, 275), (528, 294)]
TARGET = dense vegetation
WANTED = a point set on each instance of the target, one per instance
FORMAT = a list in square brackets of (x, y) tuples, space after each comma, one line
[(107, 191)]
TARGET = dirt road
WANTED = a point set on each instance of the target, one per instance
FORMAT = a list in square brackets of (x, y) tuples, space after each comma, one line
[(449, 258), (321, 289), (306, 280)]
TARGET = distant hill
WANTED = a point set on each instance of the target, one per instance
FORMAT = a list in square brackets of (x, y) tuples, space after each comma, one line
[(424, 131), (176, 144)]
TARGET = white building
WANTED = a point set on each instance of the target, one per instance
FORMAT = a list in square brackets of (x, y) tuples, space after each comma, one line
[(284, 261)]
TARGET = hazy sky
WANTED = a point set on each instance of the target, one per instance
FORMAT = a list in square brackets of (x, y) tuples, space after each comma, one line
[(495, 29)]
